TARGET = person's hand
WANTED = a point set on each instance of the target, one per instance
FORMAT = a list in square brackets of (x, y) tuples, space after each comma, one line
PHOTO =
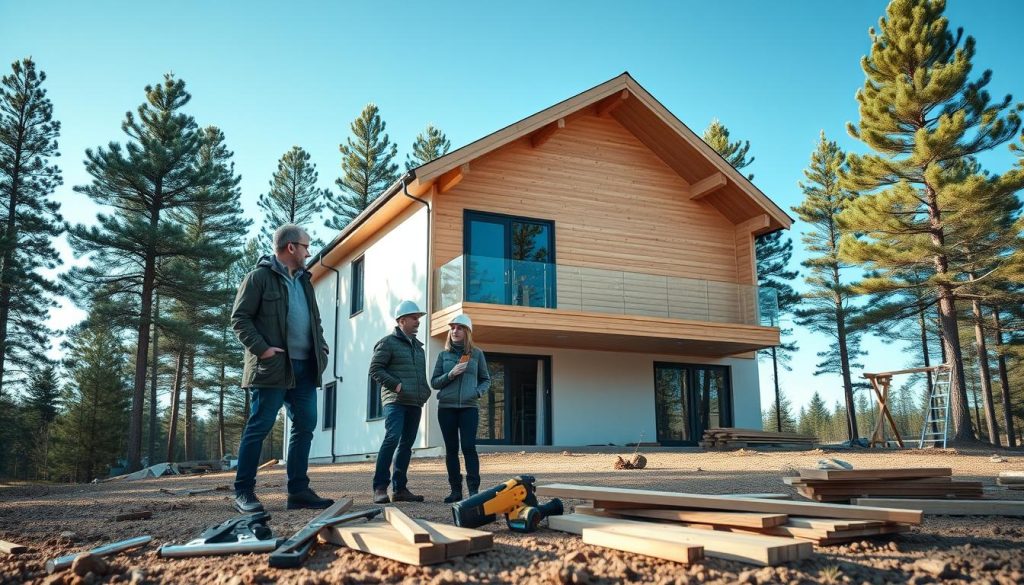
[(270, 352), (458, 369), (398, 389)]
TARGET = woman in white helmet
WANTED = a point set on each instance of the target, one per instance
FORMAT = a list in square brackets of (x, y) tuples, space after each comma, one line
[(461, 378)]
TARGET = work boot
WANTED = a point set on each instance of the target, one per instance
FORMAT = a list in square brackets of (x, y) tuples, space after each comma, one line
[(455, 496), (307, 498), (404, 495), (381, 496), (247, 503)]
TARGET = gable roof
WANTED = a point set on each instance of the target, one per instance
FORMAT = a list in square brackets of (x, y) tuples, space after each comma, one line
[(709, 176)]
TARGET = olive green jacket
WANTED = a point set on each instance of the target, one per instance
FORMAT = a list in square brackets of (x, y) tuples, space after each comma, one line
[(397, 359), (258, 318)]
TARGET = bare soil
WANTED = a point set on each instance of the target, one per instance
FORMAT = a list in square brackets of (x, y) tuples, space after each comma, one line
[(56, 520)]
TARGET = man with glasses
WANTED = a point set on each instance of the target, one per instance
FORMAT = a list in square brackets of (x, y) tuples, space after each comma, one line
[(277, 320)]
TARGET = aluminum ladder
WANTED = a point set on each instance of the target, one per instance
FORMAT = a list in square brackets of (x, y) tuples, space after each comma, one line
[(937, 414)]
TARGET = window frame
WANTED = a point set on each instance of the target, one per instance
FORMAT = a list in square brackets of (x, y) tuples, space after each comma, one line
[(357, 286)]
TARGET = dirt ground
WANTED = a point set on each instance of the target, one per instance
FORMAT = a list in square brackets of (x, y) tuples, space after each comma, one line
[(60, 519)]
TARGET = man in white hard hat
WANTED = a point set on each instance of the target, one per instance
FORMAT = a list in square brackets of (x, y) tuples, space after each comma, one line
[(399, 365)]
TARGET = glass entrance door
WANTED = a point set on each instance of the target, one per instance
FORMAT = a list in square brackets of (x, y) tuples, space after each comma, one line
[(689, 399), (510, 412)]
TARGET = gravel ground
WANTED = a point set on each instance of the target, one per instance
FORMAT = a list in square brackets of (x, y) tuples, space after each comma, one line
[(60, 519)]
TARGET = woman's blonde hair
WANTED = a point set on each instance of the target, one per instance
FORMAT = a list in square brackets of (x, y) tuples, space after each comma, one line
[(467, 345)]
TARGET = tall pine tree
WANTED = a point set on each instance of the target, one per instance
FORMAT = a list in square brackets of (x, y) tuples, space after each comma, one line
[(923, 116), (429, 144), (29, 220), (293, 196), (368, 168), (826, 307), (156, 173)]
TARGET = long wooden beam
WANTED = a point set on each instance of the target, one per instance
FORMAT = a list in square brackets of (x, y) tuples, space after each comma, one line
[(450, 179), (607, 105), (419, 188), (758, 222), (544, 134), (706, 186)]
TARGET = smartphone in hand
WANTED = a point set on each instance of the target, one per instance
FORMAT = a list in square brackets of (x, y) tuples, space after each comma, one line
[(464, 358)]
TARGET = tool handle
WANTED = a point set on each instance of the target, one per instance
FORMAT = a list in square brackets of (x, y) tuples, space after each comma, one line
[(61, 563), (291, 559)]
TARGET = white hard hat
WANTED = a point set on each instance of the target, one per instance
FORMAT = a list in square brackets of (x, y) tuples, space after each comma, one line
[(408, 308), (463, 320)]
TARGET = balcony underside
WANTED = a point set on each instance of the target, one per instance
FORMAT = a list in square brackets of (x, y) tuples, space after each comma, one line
[(531, 326)]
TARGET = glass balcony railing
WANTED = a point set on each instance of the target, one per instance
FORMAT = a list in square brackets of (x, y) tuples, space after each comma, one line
[(574, 288)]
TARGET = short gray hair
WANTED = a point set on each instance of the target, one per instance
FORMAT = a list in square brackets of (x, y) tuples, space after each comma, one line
[(287, 234)]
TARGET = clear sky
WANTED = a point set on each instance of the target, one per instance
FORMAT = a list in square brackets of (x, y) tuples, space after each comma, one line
[(276, 74)]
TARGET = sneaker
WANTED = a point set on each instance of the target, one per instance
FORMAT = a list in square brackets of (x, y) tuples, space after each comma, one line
[(247, 503), (381, 497), (404, 495), (307, 498), (453, 497)]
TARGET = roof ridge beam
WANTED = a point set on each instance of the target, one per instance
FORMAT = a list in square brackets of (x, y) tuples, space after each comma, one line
[(605, 107)]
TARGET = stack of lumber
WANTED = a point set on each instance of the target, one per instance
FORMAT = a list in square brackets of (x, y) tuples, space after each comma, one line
[(843, 485), (1011, 480), (758, 531), (729, 438), (408, 540)]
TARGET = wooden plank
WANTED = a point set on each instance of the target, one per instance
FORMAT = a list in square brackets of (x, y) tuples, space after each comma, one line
[(12, 548), (911, 473), (479, 540), (699, 501), (267, 464), (949, 507), (454, 546), (647, 546), (406, 526), (748, 519), (381, 539), (748, 548)]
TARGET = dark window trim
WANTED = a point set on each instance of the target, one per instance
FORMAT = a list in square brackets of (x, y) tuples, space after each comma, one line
[(468, 214), (353, 311), (330, 405), (373, 401), (692, 419)]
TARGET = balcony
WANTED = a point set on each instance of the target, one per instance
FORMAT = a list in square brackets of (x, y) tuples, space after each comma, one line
[(555, 305)]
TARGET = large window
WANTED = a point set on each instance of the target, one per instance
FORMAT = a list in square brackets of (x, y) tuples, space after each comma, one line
[(509, 260), (374, 408), (356, 293), (689, 399), (330, 401)]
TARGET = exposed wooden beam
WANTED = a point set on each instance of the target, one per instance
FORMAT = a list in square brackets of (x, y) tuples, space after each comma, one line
[(544, 134), (707, 185), (754, 224), (605, 107), (449, 180), (419, 188)]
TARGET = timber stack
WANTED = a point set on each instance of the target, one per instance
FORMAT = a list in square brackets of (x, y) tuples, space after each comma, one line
[(732, 438), (844, 485)]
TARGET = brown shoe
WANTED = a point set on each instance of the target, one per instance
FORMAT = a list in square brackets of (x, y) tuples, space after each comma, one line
[(381, 497), (404, 495)]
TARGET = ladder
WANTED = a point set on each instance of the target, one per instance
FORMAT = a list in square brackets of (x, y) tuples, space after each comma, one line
[(936, 417)]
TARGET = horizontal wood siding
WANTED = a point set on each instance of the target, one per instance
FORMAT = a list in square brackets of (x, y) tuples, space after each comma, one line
[(616, 206)]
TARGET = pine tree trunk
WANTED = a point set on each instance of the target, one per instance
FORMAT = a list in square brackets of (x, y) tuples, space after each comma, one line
[(189, 421), (986, 374), (141, 356), (778, 392), (154, 378), (1004, 382), (172, 424), (844, 358), (220, 412)]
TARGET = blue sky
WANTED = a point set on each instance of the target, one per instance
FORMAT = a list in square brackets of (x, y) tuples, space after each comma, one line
[(277, 74)]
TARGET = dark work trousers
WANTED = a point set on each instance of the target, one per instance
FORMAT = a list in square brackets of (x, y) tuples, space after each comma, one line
[(401, 423), (458, 427)]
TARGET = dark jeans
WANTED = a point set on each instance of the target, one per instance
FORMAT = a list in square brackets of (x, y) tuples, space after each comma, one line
[(266, 403), (401, 423), (458, 427)]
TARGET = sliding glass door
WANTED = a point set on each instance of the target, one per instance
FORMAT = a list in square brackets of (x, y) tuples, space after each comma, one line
[(688, 399), (509, 260)]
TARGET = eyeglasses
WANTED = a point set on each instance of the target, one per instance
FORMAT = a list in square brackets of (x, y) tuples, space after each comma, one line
[(300, 244)]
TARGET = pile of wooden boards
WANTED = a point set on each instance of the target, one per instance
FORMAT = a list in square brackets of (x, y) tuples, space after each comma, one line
[(843, 485), (728, 438), (1011, 480), (673, 526), (409, 540)]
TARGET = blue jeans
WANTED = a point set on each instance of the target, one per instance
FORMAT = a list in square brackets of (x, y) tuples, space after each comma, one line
[(401, 423), (458, 427), (266, 403)]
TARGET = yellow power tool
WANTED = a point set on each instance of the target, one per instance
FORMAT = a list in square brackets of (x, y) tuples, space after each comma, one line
[(516, 499)]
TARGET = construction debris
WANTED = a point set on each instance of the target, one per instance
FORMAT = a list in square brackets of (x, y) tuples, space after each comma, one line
[(294, 551), (383, 539), (12, 548), (842, 485), (637, 461), (158, 470), (734, 438), (1011, 480), (196, 491)]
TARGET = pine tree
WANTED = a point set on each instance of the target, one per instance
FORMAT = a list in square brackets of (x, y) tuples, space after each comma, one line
[(293, 196), (826, 307), (41, 405), (29, 220), (429, 144), (157, 172), (770, 416), (368, 168), (816, 419), (923, 117), (716, 135)]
